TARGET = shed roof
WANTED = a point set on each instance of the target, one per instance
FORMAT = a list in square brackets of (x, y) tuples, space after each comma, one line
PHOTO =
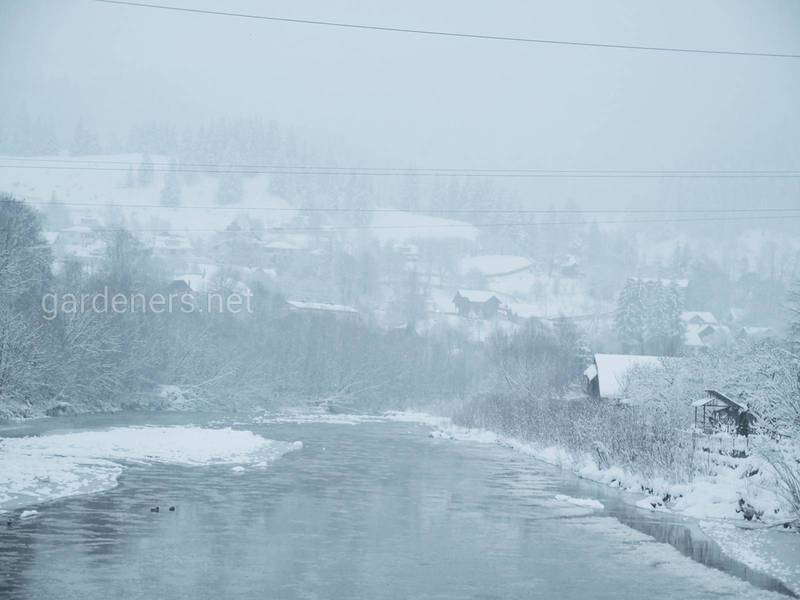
[(612, 370), (729, 401)]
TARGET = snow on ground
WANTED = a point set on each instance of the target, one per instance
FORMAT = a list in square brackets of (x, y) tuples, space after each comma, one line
[(105, 191), (771, 551), (628, 545), (43, 468), (651, 503), (478, 330), (548, 297), (493, 264), (402, 226)]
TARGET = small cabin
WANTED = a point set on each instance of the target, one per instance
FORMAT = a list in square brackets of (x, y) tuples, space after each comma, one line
[(718, 413), (477, 303)]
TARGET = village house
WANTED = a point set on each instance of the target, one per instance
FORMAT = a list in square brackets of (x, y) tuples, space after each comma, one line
[(702, 330), (607, 376), (78, 245), (698, 317), (278, 252), (478, 303)]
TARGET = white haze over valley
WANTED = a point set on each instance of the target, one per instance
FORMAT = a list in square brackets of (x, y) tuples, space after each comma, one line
[(529, 267)]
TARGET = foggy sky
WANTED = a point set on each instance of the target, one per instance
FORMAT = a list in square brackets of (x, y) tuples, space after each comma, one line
[(430, 101)]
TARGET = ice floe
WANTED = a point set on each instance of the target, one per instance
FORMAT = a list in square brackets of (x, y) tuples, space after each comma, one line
[(47, 467), (584, 502)]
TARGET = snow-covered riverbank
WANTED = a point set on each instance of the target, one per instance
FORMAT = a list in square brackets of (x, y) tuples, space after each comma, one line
[(38, 469), (712, 501)]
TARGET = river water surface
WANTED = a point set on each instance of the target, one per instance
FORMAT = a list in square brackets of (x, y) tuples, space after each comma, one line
[(372, 510)]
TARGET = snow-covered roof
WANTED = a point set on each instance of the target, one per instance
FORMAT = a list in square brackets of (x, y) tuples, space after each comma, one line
[(478, 296), (679, 283), (737, 314), (699, 316), (321, 306), (613, 369), (715, 395), (171, 241), (692, 335)]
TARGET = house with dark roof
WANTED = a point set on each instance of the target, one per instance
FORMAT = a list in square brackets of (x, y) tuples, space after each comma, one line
[(477, 303)]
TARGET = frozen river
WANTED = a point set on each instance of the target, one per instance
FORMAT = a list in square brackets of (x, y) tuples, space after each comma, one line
[(372, 510)]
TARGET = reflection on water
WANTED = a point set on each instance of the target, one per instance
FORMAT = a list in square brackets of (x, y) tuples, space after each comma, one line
[(377, 510), (692, 542)]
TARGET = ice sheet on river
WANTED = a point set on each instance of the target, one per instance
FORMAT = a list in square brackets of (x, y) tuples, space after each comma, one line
[(42, 468)]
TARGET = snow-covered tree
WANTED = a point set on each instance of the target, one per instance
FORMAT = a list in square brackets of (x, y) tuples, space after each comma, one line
[(794, 322), (145, 173), (56, 214), (648, 317), (629, 319), (83, 141), (171, 192), (412, 302), (229, 190), (664, 330)]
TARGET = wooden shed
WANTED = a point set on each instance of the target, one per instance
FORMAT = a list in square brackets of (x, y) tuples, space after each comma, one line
[(718, 413)]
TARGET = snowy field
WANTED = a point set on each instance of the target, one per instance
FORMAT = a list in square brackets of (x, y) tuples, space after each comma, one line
[(105, 196), (402, 226), (42, 468), (494, 264)]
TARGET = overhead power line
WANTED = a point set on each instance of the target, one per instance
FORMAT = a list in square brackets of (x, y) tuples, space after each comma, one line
[(335, 228), (447, 211), (452, 34), (210, 169), (408, 169)]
